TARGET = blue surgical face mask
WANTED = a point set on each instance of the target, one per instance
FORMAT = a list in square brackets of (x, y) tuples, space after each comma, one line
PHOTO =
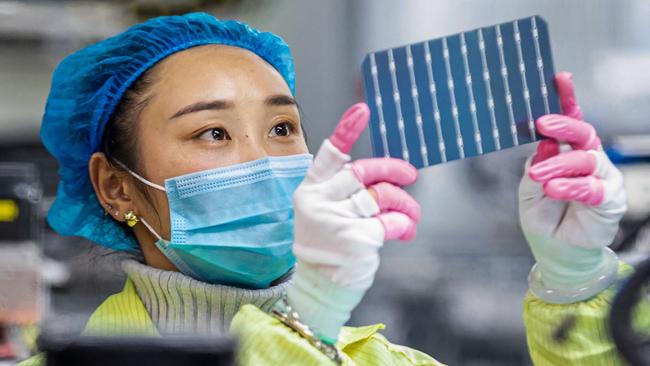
[(233, 225)]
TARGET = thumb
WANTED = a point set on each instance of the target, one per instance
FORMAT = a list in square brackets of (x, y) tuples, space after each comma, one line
[(352, 123), (333, 153), (566, 91)]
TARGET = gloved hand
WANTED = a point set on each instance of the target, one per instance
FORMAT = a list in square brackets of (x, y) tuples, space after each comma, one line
[(343, 213), (570, 205)]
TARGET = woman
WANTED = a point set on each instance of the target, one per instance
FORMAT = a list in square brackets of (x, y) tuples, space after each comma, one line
[(180, 139)]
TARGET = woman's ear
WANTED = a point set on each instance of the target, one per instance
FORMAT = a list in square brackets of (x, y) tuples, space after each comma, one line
[(110, 186)]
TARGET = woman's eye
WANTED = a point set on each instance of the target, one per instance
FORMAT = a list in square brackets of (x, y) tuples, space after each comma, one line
[(281, 129), (215, 134)]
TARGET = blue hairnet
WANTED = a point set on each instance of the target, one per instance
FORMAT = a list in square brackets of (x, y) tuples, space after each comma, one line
[(88, 85)]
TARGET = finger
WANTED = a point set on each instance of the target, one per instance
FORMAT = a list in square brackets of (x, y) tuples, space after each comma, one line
[(588, 190), (546, 149), (365, 203), (577, 163), (566, 92), (536, 211), (396, 171), (333, 153), (328, 161), (352, 123), (580, 135), (397, 226), (341, 185), (393, 198)]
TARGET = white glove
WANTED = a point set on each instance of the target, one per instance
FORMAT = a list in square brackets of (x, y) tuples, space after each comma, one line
[(570, 205), (340, 226)]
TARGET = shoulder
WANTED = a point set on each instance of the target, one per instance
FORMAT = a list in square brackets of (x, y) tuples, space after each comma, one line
[(265, 340), (121, 313)]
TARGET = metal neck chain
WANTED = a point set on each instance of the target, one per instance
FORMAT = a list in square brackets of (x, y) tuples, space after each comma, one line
[(289, 317)]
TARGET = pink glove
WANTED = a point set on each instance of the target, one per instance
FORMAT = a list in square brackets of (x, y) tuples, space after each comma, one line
[(569, 176), (344, 211), (570, 204)]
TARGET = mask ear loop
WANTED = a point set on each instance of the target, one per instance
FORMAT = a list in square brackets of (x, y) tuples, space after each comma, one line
[(146, 224), (140, 178), (150, 184)]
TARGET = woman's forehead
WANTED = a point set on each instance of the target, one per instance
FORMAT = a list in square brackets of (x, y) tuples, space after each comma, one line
[(230, 71)]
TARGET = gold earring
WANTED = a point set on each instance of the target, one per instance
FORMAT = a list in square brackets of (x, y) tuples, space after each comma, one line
[(131, 218)]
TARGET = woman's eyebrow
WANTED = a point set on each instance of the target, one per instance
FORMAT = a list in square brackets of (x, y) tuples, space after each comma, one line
[(280, 100), (275, 100), (202, 106)]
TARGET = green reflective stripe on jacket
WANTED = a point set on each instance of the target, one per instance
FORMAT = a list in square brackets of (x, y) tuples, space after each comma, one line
[(263, 340), (586, 340)]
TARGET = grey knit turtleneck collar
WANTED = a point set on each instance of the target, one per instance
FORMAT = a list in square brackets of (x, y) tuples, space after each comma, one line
[(179, 304)]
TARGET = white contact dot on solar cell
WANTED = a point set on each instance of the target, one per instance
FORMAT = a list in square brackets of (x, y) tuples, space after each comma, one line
[(382, 128), (508, 98), (378, 100), (522, 68), (418, 120), (495, 134), (414, 92), (535, 33), (463, 50), (468, 79), (454, 111), (373, 70), (472, 107), (491, 103), (526, 94), (427, 58), (400, 124), (445, 53), (544, 91), (513, 128), (477, 137), (441, 146), (396, 96), (423, 150), (504, 71), (409, 61), (436, 115), (540, 63), (450, 83), (486, 75), (391, 66), (499, 41), (405, 154), (432, 88), (459, 142), (481, 45), (517, 37)]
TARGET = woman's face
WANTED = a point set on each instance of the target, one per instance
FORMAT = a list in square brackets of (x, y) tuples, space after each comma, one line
[(211, 106)]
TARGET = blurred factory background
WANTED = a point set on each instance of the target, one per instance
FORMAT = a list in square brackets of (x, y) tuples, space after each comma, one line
[(456, 292)]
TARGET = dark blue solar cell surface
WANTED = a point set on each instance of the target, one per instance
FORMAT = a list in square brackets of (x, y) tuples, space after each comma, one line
[(462, 95)]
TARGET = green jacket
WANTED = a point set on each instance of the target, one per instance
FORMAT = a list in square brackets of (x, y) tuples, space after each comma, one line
[(263, 340)]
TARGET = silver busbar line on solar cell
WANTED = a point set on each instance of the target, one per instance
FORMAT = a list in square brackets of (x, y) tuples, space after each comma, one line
[(462, 95)]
